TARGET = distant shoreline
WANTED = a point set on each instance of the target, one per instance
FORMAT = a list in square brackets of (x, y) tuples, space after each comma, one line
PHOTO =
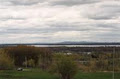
[(63, 45)]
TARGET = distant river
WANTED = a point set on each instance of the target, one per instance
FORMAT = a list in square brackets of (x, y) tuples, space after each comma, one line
[(76, 45)]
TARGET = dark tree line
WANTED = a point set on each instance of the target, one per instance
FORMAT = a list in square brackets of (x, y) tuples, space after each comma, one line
[(24, 53)]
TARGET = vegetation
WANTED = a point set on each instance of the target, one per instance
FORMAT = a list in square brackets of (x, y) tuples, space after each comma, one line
[(5, 61), (99, 62), (45, 58), (29, 63), (39, 74), (30, 56), (27, 74), (62, 65), (96, 75), (66, 67)]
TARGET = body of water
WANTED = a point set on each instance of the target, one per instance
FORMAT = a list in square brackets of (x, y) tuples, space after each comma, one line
[(76, 45)]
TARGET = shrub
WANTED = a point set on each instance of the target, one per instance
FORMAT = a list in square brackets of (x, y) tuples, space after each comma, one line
[(66, 67)]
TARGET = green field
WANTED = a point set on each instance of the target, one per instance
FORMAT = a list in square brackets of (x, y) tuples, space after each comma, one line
[(100, 75), (38, 74), (30, 74)]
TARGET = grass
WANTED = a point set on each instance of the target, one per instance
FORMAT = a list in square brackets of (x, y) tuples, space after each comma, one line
[(97, 75), (38, 74), (32, 74)]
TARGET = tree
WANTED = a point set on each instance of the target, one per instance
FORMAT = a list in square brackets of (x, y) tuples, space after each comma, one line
[(6, 62), (66, 67), (22, 53), (45, 57), (29, 63)]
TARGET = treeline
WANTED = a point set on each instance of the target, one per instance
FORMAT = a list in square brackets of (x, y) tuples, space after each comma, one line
[(66, 64), (84, 49), (38, 57), (23, 54), (99, 61), (92, 59)]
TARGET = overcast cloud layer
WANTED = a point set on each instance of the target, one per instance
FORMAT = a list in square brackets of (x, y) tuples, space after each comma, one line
[(59, 20)]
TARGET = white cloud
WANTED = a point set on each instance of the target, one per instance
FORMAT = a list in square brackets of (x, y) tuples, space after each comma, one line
[(59, 20)]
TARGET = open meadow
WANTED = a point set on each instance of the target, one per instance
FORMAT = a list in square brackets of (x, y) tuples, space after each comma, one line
[(39, 74)]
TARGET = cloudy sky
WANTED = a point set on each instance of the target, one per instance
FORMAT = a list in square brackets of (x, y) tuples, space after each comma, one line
[(59, 20)]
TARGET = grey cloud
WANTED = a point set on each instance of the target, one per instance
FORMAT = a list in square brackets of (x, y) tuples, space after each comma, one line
[(102, 16), (51, 2), (106, 12), (108, 37), (61, 27), (25, 2), (11, 18), (108, 25), (21, 2), (74, 2)]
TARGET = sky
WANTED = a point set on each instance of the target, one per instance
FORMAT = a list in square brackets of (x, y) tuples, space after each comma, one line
[(36, 21)]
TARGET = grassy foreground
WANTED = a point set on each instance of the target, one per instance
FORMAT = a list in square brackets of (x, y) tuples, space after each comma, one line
[(38, 74), (98, 75), (28, 74)]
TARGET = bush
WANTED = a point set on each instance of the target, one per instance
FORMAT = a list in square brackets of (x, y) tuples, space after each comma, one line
[(66, 67), (6, 62)]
